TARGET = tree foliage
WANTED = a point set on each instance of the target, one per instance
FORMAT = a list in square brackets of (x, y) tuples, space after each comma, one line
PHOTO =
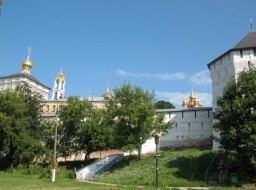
[(236, 118), (19, 123), (71, 117), (135, 117), (83, 128), (161, 104)]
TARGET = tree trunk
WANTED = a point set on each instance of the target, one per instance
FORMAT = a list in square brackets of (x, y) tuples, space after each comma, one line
[(139, 151), (86, 157)]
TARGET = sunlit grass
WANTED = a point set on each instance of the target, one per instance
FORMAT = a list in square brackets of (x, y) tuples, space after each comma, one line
[(176, 168)]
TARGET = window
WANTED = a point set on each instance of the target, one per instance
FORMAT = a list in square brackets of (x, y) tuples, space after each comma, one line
[(47, 108), (53, 108), (176, 126), (41, 108), (189, 126), (182, 114), (249, 64), (254, 51), (226, 70), (208, 113), (195, 111), (241, 53)]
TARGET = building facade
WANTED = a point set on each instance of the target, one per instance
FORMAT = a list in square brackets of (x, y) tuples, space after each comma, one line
[(229, 64), (13, 80)]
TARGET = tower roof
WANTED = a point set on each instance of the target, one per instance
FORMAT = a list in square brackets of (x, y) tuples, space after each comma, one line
[(60, 76), (27, 64), (249, 41)]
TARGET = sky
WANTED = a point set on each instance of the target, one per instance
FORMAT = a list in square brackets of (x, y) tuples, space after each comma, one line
[(158, 45)]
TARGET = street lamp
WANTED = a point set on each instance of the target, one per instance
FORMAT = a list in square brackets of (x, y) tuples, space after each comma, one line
[(55, 145), (157, 138)]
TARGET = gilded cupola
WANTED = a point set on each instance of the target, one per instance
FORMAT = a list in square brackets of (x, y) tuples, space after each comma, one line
[(27, 64), (193, 102), (60, 76)]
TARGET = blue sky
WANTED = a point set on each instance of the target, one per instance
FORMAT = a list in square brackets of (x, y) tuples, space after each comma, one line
[(160, 45)]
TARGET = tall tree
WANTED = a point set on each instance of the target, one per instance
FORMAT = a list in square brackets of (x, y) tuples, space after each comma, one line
[(83, 128), (135, 117), (71, 117), (94, 134), (33, 100), (161, 104), (18, 143), (236, 119)]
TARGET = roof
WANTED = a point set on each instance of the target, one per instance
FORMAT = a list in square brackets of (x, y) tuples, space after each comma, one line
[(249, 41), (184, 109), (30, 77)]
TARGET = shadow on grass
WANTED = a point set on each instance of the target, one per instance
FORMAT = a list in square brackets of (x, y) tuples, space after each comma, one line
[(191, 168), (125, 162)]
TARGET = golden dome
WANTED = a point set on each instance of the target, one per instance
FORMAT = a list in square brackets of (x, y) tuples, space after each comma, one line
[(60, 76), (107, 95), (27, 64), (193, 101)]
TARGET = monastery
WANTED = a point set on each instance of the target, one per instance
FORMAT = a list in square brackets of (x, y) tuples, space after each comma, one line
[(192, 123)]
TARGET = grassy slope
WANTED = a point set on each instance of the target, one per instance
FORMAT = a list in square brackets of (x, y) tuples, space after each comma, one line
[(176, 168), (14, 181)]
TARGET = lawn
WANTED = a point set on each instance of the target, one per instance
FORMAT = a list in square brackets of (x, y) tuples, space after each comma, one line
[(176, 169), (13, 181)]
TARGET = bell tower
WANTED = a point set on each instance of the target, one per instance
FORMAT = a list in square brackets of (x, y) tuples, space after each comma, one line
[(59, 87)]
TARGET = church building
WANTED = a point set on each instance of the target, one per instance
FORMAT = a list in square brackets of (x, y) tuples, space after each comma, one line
[(13, 80)]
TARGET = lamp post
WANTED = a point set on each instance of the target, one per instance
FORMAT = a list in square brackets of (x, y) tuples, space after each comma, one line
[(55, 145), (157, 137), (54, 154)]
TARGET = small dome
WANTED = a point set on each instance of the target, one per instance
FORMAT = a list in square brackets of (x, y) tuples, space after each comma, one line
[(107, 95), (60, 76), (27, 64)]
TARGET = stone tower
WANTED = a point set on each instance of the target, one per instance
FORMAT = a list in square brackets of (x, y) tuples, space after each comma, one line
[(226, 67)]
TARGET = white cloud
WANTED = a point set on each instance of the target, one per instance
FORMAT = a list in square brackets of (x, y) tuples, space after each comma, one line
[(201, 78), (177, 97), (160, 76), (170, 76)]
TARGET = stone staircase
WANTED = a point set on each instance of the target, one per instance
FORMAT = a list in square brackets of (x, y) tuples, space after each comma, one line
[(216, 173), (97, 167)]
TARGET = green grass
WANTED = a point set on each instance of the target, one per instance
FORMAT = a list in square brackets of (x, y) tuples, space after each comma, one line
[(176, 168), (15, 181)]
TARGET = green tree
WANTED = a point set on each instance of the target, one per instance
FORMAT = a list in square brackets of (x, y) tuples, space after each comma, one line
[(135, 117), (71, 117), (33, 100), (236, 119), (161, 104), (94, 133), (83, 128), (18, 144)]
